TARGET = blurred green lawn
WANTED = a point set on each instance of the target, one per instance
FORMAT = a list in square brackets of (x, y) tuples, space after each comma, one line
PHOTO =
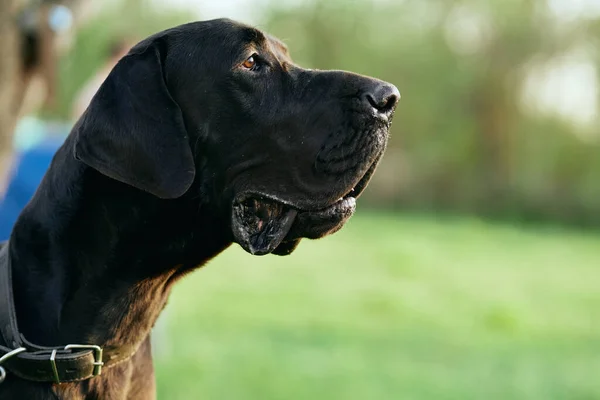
[(392, 307)]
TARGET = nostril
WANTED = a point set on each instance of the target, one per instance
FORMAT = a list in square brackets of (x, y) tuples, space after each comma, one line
[(384, 98), (389, 103)]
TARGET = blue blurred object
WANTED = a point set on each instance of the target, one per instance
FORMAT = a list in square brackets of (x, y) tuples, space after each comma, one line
[(35, 144), (60, 18)]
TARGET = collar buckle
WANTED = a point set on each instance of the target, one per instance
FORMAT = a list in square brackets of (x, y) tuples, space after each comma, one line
[(97, 359)]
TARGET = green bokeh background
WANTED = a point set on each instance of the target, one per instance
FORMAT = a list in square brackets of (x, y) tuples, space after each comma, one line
[(392, 307)]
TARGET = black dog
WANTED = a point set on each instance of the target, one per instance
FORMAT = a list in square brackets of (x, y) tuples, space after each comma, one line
[(203, 135)]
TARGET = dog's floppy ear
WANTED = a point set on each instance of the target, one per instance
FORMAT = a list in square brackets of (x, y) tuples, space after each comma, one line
[(133, 130)]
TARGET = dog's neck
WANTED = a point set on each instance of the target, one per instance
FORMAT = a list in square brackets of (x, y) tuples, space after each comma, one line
[(94, 260)]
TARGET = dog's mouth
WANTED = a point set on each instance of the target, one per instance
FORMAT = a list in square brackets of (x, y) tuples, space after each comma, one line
[(263, 223)]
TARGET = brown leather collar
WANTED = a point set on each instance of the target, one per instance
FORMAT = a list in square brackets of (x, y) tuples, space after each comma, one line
[(68, 363)]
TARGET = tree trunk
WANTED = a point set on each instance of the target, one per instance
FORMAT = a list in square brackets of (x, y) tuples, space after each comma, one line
[(10, 83)]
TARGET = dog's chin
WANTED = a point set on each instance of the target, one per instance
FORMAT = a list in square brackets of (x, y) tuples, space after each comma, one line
[(262, 225)]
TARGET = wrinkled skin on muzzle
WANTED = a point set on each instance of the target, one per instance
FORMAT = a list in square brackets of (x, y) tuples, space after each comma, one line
[(319, 148)]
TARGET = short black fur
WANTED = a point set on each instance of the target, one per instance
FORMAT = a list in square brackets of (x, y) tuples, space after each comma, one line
[(145, 188)]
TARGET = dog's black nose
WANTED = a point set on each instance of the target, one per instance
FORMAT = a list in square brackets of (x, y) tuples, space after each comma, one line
[(383, 98)]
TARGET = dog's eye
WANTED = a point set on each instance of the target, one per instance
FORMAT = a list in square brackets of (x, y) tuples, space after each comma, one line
[(250, 63)]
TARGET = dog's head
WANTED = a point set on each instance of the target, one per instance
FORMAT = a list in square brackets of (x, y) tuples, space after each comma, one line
[(220, 107)]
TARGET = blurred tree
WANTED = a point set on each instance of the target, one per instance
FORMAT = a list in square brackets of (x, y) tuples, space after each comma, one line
[(462, 140), (9, 69), (28, 33)]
